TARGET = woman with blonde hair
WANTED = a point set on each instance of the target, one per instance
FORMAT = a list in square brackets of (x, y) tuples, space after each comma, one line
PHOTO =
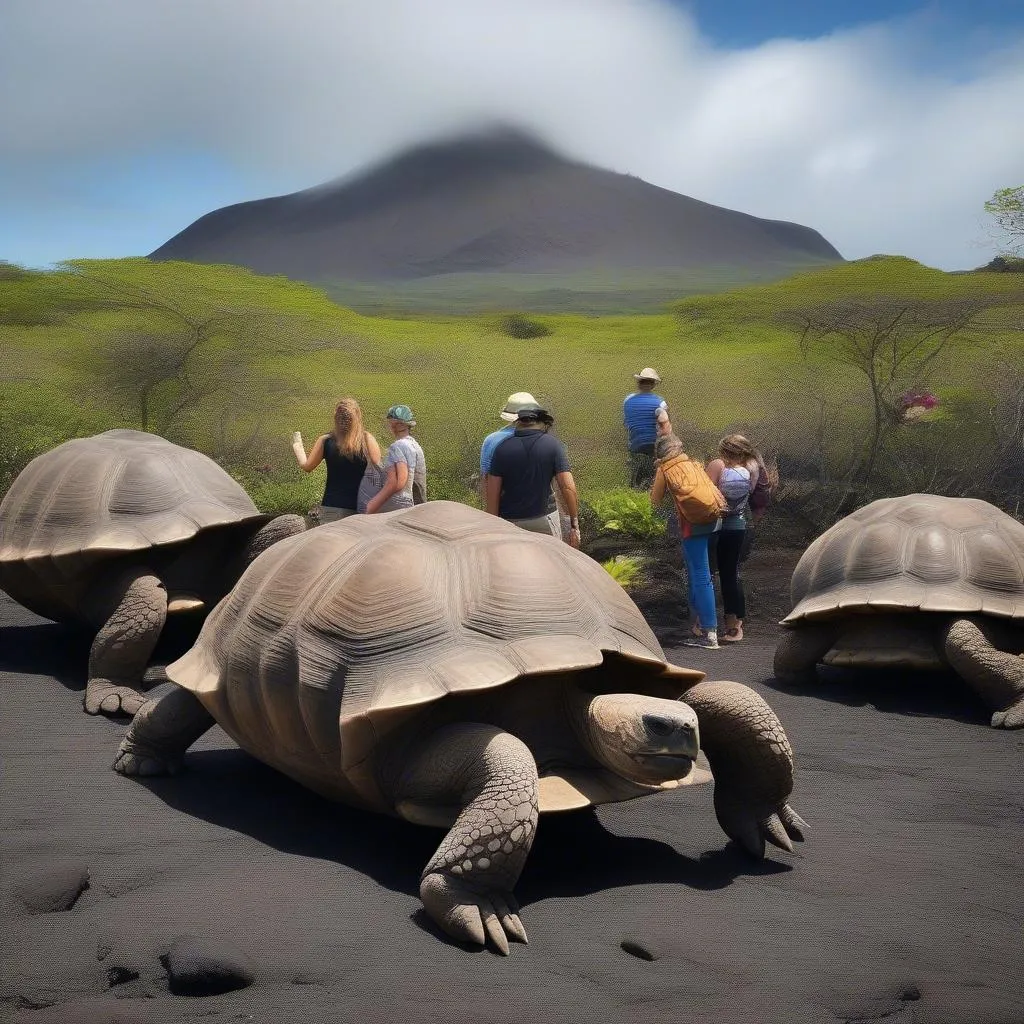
[(347, 450), (734, 473)]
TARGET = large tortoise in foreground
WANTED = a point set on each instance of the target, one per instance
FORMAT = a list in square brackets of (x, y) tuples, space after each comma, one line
[(920, 581), (443, 666), (115, 532)]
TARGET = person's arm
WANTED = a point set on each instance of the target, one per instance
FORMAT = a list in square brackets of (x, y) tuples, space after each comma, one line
[(373, 449), (570, 498), (398, 473), (658, 487), (316, 456), (714, 470), (492, 495)]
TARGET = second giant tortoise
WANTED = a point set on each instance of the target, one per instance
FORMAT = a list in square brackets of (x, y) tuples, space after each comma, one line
[(446, 667), (115, 532), (920, 581)]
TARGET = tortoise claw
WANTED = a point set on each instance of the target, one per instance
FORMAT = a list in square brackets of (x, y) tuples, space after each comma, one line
[(105, 698), (472, 916)]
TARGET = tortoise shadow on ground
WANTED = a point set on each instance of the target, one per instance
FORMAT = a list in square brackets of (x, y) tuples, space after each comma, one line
[(62, 651), (916, 694), (573, 854)]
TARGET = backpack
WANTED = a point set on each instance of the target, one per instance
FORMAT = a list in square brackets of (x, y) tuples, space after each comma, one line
[(699, 501), (734, 483), (761, 495)]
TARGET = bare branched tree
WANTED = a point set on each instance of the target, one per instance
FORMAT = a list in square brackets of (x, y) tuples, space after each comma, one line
[(893, 343)]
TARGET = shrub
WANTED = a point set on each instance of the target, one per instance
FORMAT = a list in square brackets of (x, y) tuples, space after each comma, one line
[(626, 570), (629, 512), (515, 325)]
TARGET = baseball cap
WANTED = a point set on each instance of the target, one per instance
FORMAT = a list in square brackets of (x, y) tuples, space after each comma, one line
[(647, 373), (402, 413), (514, 404)]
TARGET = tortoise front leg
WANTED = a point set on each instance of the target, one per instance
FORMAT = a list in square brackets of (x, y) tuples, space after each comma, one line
[(800, 648), (996, 676), (490, 778), (164, 728), (752, 764), (123, 645)]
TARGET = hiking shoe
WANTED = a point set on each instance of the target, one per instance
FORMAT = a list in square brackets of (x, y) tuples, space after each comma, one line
[(708, 640)]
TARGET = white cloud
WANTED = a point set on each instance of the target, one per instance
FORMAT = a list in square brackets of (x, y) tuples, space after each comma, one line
[(852, 134)]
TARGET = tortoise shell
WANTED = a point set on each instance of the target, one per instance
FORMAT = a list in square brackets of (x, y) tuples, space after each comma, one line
[(94, 499), (915, 553), (333, 638)]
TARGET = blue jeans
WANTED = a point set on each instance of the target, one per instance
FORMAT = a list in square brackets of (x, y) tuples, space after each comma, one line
[(701, 590)]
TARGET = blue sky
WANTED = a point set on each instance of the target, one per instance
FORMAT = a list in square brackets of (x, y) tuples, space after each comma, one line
[(884, 124)]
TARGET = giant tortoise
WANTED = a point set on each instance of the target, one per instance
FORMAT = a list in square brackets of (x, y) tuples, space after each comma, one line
[(116, 531), (920, 581), (446, 667)]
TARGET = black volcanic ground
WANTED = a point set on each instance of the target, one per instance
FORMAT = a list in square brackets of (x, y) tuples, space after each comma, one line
[(490, 202)]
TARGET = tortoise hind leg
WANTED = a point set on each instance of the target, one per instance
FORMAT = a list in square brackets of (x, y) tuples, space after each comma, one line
[(124, 643), (997, 676), (164, 728), (488, 777), (800, 648)]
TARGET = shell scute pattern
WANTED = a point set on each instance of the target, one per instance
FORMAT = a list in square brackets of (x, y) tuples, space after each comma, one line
[(121, 490), (918, 552), (331, 638)]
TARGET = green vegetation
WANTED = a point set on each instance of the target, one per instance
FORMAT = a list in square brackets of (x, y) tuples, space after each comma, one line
[(626, 570), (594, 292), (1007, 208), (627, 512), (230, 363)]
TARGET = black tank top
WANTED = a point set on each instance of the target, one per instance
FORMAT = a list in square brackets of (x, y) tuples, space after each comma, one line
[(343, 476)]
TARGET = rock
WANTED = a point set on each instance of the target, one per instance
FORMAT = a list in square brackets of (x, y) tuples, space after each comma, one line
[(196, 967), (639, 948), (52, 890)]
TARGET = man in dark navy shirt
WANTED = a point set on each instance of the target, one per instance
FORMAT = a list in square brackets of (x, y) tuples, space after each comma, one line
[(521, 471)]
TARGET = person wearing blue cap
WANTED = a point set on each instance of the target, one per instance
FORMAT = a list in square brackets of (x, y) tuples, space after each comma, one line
[(405, 466)]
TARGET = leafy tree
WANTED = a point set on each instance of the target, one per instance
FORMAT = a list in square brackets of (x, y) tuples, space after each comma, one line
[(1007, 207)]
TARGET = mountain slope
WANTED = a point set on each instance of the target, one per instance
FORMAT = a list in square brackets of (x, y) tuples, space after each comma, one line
[(496, 201)]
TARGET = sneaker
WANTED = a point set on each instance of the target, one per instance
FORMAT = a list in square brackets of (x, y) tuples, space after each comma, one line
[(708, 640)]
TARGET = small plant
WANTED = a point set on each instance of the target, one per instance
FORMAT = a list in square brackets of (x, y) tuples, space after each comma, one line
[(626, 570), (277, 497), (515, 325), (626, 511)]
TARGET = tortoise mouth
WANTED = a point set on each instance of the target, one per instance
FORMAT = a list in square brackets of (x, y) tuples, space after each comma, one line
[(661, 766)]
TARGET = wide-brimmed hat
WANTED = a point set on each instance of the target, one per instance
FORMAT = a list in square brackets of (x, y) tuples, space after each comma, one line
[(402, 413), (647, 373), (530, 411), (514, 404)]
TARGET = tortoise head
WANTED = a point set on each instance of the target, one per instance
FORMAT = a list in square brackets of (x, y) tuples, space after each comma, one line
[(647, 740)]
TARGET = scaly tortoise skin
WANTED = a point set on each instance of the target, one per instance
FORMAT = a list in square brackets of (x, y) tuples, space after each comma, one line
[(919, 581), (441, 665), (113, 532)]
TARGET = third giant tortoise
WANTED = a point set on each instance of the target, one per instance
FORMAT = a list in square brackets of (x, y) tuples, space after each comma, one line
[(446, 667), (920, 581), (115, 532)]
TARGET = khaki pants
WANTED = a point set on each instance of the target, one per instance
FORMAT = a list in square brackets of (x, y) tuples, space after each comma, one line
[(549, 524)]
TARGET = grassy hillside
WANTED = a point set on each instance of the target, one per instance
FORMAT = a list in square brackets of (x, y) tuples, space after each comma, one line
[(271, 355), (648, 291)]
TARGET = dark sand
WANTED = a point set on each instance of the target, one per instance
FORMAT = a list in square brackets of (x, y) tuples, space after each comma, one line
[(904, 905)]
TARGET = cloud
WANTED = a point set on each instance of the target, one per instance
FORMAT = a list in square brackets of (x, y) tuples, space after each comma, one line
[(868, 135)]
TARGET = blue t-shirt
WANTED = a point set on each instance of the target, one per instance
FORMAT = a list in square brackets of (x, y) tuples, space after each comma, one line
[(491, 442), (638, 413)]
